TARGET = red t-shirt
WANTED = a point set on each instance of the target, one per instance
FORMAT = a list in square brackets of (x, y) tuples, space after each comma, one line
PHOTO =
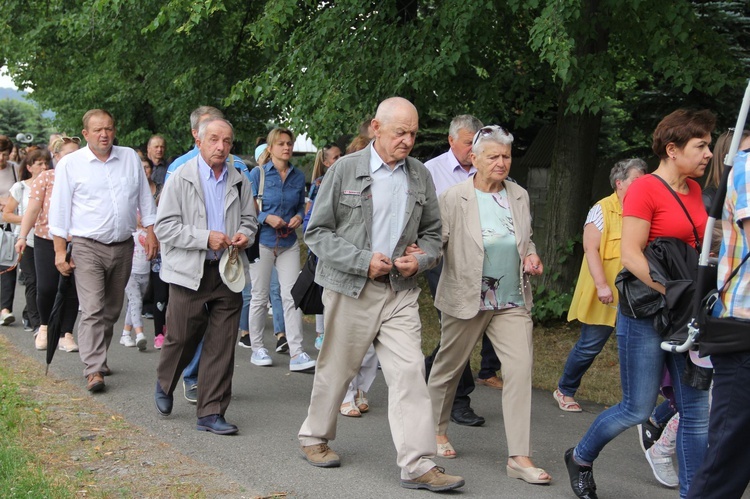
[(650, 200)]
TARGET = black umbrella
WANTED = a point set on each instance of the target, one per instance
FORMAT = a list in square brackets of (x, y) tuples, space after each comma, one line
[(707, 272), (54, 326)]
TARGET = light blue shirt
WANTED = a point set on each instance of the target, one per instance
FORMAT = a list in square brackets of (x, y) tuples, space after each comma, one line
[(213, 195), (446, 171), (389, 193)]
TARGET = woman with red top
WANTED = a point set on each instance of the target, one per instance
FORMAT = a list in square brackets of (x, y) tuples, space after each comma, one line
[(681, 140)]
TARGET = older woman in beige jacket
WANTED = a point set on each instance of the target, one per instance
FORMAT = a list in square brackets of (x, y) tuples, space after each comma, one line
[(484, 287)]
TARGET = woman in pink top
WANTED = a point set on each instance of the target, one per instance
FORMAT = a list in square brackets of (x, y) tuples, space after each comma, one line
[(47, 275)]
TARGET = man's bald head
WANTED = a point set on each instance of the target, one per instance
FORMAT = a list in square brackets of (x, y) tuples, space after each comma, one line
[(395, 125), (392, 107)]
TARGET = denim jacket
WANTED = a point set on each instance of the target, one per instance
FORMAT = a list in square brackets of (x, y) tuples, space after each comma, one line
[(283, 199), (340, 227)]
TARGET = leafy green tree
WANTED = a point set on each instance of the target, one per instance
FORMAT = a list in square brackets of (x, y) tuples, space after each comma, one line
[(22, 117), (591, 46), (146, 68)]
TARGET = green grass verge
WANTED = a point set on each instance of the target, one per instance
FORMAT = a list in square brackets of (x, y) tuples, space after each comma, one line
[(21, 475)]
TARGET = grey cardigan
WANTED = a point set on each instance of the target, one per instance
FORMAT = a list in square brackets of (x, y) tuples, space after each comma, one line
[(181, 222), (340, 227)]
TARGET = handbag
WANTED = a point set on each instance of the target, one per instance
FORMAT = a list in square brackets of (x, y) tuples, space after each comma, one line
[(637, 300), (306, 293), (8, 255), (722, 335)]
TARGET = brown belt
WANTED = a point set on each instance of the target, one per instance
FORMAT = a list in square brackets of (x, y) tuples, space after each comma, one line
[(383, 278)]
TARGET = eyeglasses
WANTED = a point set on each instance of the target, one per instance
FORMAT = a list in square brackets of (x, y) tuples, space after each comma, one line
[(489, 130), (68, 140)]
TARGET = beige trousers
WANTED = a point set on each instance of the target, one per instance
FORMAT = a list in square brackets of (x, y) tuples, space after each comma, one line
[(390, 321), (102, 272), (510, 333)]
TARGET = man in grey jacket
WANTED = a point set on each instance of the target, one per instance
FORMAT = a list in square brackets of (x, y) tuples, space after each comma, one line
[(204, 209), (375, 225)]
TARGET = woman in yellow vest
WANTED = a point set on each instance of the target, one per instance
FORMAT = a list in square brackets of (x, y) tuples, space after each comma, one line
[(594, 300)]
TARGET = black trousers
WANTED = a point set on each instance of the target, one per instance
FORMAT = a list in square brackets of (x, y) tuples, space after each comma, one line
[(47, 280), (7, 288), (725, 472), (160, 295), (29, 272)]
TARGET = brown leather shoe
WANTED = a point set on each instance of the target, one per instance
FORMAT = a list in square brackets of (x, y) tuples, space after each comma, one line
[(493, 382), (321, 455), (95, 382), (434, 480)]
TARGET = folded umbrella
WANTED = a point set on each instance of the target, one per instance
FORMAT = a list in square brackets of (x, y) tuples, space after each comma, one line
[(54, 327)]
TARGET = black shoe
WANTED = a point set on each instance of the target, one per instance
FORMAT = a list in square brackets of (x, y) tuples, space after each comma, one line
[(163, 401), (245, 341), (281, 345), (581, 477), (216, 423), (466, 417), (649, 434), (190, 391)]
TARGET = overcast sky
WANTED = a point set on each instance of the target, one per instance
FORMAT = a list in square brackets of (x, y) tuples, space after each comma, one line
[(5, 81)]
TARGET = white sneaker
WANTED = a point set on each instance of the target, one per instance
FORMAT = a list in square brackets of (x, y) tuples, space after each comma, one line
[(141, 342), (7, 318), (301, 362), (127, 340), (68, 344), (40, 339), (261, 358), (663, 469)]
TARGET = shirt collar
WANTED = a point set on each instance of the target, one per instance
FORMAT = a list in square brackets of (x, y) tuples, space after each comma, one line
[(456, 165), (113, 154), (376, 162), (206, 172)]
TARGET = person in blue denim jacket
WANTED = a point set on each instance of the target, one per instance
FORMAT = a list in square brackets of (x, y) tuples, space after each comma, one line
[(282, 209)]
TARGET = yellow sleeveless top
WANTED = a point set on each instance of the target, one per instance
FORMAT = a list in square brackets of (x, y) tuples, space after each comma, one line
[(585, 305)]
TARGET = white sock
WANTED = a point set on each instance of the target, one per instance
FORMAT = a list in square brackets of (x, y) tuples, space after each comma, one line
[(125, 333)]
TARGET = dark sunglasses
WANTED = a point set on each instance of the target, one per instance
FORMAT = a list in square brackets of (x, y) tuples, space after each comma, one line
[(489, 130)]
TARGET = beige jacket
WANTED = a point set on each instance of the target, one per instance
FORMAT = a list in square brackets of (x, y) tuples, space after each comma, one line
[(463, 252)]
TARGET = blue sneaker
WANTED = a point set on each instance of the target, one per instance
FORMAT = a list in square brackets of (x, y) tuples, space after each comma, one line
[(261, 358), (319, 341), (301, 362)]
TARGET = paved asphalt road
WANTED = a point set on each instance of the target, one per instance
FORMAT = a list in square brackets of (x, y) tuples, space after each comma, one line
[(269, 405)]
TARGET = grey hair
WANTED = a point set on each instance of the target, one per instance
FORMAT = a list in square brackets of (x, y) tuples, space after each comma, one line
[(195, 116), (622, 168), (204, 125), (498, 135), (464, 122)]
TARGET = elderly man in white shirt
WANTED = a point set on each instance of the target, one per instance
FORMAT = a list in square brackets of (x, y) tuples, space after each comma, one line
[(97, 191)]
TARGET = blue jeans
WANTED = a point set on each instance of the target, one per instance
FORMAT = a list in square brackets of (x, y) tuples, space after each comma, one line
[(663, 413), (725, 473), (278, 307), (592, 340), (190, 374), (641, 366), (245, 313)]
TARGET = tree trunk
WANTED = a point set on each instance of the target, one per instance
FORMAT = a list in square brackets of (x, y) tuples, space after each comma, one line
[(569, 190)]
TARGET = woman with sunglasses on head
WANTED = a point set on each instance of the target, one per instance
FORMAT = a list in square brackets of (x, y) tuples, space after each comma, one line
[(674, 212), (36, 218), (282, 212), (32, 166), (488, 257)]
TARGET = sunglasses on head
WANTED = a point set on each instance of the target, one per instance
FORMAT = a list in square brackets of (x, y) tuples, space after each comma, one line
[(489, 130)]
